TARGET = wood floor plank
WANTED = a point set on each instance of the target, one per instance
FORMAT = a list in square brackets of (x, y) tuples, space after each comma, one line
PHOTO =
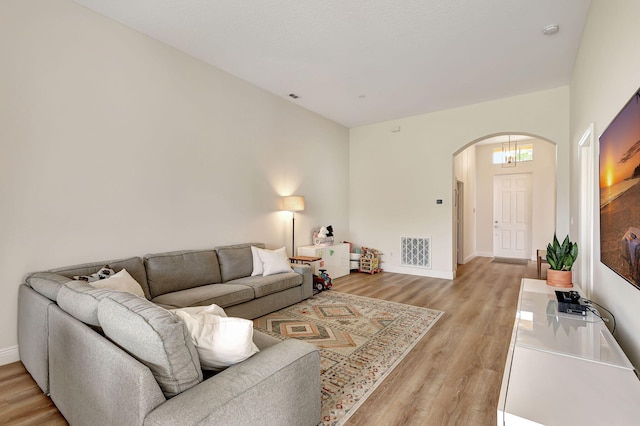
[(451, 377), (21, 400)]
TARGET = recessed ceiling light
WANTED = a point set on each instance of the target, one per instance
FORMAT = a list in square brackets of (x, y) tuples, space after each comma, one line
[(551, 29)]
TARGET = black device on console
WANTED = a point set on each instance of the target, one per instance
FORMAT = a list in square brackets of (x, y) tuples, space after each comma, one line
[(569, 302)]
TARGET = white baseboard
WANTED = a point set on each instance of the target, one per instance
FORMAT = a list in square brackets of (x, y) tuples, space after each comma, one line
[(489, 254), (9, 355), (469, 258), (484, 254)]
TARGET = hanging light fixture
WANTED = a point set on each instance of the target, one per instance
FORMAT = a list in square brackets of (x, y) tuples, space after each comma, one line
[(509, 153)]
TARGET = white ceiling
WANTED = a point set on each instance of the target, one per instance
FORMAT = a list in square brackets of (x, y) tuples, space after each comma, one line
[(360, 62)]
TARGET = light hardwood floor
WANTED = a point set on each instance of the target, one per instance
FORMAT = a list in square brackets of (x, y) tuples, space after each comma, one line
[(451, 377), (21, 400)]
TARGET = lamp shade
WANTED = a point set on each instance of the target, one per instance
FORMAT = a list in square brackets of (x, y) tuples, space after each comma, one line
[(293, 203)]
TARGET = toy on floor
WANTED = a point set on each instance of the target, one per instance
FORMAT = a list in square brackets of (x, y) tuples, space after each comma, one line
[(322, 281), (370, 261)]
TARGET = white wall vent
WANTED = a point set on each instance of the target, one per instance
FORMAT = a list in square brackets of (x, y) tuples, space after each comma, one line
[(415, 251)]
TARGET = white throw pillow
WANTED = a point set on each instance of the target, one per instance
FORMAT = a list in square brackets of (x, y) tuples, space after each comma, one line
[(257, 262), (121, 281), (211, 309), (274, 261), (220, 341), (277, 263)]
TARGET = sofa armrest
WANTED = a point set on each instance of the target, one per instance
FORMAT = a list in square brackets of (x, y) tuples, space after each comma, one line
[(307, 283), (278, 386), (33, 331), (264, 341), (93, 381)]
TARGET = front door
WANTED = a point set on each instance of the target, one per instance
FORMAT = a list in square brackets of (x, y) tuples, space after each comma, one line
[(512, 216)]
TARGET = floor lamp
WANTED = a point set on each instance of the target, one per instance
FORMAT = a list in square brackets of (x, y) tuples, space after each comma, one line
[(293, 204)]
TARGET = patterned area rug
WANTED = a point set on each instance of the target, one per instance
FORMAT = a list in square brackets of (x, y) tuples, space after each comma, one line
[(361, 340)]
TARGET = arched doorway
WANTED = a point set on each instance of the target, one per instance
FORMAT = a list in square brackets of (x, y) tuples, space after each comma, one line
[(477, 168)]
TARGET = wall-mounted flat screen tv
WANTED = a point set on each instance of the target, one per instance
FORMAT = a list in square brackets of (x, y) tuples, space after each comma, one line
[(620, 193)]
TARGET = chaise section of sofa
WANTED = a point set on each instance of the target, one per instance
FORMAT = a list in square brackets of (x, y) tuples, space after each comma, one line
[(143, 370), (271, 388)]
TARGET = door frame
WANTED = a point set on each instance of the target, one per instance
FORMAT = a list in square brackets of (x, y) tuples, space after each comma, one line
[(474, 220), (585, 221), (459, 222)]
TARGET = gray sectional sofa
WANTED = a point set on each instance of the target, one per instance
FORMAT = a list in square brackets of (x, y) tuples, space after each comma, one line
[(112, 358)]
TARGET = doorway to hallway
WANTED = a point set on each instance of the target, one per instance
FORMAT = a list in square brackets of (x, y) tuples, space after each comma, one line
[(476, 167)]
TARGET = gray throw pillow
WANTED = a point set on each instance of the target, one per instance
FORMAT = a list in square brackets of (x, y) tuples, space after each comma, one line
[(155, 337), (180, 270), (236, 261)]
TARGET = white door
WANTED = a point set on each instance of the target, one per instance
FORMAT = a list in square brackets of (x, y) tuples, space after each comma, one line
[(512, 216)]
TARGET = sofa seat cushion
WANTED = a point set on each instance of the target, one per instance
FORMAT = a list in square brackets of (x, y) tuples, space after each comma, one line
[(220, 294), (264, 285), (155, 337), (180, 270)]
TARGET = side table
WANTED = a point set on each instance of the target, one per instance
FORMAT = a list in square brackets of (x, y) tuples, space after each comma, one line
[(304, 259), (541, 256)]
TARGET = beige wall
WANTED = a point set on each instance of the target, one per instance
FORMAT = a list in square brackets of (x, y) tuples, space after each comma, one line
[(606, 74), (396, 177), (543, 172), (113, 144)]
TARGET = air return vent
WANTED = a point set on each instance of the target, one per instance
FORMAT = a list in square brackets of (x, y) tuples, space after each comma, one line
[(415, 251)]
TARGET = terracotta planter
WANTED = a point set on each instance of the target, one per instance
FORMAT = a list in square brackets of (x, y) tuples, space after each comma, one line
[(559, 278)]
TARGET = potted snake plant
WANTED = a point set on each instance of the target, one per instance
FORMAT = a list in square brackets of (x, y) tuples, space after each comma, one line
[(561, 258)]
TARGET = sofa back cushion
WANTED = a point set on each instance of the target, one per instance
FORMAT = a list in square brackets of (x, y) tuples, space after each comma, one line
[(155, 337), (180, 270), (133, 265), (47, 284), (236, 261), (80, 300)]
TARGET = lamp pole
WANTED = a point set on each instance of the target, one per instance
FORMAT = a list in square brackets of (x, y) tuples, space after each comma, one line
[(293, 233)]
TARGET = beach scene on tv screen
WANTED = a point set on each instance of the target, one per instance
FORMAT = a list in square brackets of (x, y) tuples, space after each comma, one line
[(620, 193)]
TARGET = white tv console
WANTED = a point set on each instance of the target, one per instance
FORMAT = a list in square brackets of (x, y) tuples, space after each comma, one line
[(564, 369)]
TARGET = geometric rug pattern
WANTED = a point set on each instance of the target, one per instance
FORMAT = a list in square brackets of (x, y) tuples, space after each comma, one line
[(361, 340)]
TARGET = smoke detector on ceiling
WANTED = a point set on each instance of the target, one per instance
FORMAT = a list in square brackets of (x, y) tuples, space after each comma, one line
[(551, 29)]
